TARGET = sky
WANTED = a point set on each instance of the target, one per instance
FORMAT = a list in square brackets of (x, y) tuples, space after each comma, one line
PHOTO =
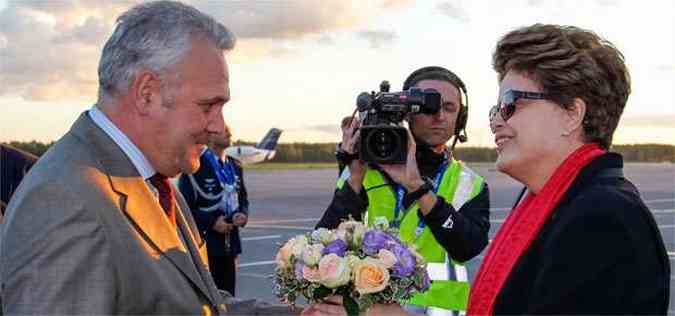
[(299, 65)]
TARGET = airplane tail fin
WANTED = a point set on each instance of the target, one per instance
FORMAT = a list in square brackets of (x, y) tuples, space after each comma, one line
[(269, 142)]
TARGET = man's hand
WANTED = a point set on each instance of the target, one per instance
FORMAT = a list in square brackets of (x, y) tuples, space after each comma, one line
[(240, 219), (221, 226), (407, 175), (350, 139)]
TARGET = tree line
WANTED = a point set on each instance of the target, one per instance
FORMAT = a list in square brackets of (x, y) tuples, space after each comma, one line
[(324, 152)]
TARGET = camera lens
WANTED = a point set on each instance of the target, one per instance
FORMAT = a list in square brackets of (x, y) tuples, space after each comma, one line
[(383, 143)]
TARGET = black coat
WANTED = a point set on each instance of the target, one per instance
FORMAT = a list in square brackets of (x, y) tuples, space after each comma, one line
[(600, 252), (205, 177), (14, 164)]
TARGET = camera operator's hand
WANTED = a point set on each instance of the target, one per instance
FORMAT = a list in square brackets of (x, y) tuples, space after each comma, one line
[(350, 140), (408, 174)]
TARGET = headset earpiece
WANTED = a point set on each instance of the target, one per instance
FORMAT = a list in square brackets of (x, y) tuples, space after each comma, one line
[(436, 72)]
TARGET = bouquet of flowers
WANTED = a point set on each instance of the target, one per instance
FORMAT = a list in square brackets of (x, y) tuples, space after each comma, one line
[(363, 266)]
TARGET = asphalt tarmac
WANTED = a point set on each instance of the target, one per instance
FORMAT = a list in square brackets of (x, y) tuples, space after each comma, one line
[(287, 203)]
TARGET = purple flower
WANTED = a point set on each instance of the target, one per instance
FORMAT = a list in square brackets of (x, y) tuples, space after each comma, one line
[(405, 261), (426, 282), (298, 271), (338, 247), (392, 242), (373, 241)]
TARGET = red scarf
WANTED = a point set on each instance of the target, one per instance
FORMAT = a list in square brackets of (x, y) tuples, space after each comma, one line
[(521, 227)]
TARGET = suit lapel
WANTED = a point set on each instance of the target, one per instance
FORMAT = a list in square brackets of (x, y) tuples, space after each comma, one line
[(197, 249), (140, 204)]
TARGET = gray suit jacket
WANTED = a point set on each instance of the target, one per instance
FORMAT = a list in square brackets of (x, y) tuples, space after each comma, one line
[(84, 234)]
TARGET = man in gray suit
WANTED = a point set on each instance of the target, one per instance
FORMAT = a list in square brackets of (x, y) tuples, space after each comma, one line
[(96, 228)]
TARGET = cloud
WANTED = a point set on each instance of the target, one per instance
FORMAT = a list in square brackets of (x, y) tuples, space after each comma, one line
[(665, 69), (454, 11), (602, 3), (377, 39), (49, 50), (323, 40), (283, 19), (656, 121), (333, 129)]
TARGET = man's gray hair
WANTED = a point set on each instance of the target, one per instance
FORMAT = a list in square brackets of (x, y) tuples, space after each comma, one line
[(154, 36)]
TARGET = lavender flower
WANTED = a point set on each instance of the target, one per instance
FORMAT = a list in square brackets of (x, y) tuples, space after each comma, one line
[(373, 241), (298, 271), (338, 247), (405, 263), (426, 282)]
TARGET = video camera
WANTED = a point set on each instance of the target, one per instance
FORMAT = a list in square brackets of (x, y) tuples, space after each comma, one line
[(383, 138)]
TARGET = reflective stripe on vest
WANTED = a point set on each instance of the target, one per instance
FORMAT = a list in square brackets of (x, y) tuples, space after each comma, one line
[(450, 288)]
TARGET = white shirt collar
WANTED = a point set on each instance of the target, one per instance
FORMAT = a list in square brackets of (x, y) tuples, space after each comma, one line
[(137, 158)]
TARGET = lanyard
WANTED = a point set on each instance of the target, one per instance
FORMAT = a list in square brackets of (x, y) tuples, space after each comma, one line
[(225, 173), (400, 193)]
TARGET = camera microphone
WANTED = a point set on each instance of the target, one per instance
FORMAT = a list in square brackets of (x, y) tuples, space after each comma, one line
[(364, 101), (462, 136)]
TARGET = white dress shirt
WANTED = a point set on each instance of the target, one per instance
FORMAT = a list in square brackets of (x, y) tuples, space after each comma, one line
[(137, 158)]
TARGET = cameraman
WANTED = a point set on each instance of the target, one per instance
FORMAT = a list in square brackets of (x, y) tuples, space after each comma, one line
[(437, 202)]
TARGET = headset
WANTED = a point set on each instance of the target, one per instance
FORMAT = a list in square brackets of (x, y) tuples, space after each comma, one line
[(440, 73)]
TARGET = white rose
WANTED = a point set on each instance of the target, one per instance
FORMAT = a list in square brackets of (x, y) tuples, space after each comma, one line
[(312, 254)]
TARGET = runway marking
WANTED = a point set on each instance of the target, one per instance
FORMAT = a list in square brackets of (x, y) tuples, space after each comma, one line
[(285, 221), (659, 200), (255, 275), (261, 237), (663, 211), (257, 263), (671, 253), (281, 227)]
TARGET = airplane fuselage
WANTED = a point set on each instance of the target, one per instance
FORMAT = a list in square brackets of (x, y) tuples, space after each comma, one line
[(250, 154)]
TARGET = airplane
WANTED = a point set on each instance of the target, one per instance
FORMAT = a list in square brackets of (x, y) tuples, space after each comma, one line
[(263, 151)]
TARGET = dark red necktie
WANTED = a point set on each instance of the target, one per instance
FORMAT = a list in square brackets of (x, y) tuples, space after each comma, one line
[(166, 199)]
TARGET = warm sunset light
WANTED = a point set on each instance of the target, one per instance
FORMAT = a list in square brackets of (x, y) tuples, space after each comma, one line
[(298, 65)]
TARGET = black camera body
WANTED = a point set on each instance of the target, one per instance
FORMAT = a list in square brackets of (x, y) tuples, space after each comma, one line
[(383, 138)]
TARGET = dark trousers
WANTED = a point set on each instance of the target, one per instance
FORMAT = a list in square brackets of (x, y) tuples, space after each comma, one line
[(223, 272)]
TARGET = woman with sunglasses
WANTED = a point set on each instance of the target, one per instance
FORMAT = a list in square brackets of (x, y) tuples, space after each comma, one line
[(580, 240)]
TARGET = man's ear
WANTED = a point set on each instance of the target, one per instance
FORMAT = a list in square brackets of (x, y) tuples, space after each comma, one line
[(574, 117), (146, 91)]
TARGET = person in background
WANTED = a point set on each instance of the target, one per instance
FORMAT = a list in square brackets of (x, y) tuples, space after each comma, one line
[(14, 165), (438, 202), (580, 241), (217, 196)]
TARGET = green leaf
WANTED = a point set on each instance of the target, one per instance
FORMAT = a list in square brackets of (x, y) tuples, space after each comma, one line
[(321, 292), (350, 305)]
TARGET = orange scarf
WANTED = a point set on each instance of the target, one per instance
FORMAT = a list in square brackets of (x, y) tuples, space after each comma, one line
[(521, 228)]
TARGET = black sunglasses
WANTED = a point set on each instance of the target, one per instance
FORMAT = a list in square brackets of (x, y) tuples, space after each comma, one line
[(507, 107)]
